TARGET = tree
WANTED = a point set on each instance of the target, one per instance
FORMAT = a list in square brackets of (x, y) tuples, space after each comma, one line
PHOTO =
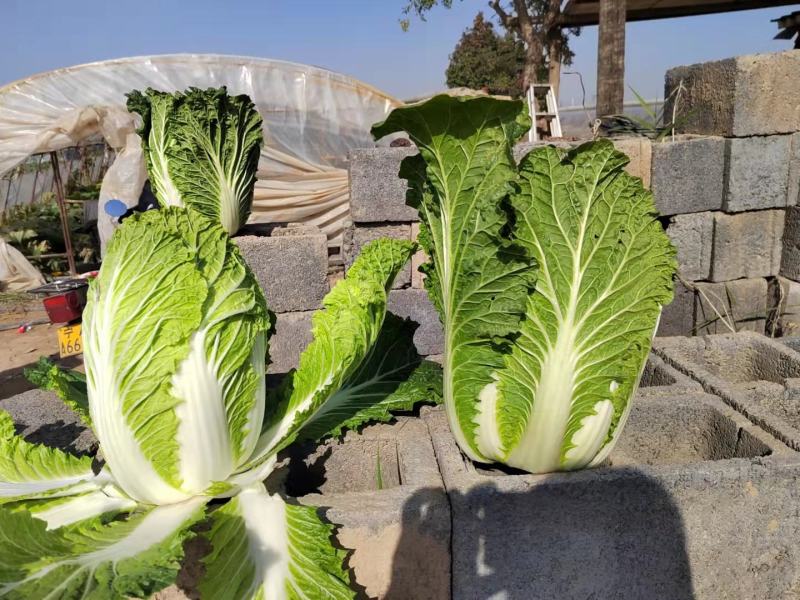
[(484, 59), (533, 22)]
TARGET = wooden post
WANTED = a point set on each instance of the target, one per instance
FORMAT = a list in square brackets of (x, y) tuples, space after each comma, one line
[(62, 211), (611, 57)]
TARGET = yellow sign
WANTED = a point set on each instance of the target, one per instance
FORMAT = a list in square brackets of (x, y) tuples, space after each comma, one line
[(69, 340)]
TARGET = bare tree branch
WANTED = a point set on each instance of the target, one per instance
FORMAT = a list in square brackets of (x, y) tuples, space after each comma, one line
[(509, 22)]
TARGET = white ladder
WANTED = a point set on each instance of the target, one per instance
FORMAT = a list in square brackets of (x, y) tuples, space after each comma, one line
[(535, 92)]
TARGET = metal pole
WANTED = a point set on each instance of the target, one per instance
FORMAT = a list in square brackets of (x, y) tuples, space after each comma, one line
[(62, 210)]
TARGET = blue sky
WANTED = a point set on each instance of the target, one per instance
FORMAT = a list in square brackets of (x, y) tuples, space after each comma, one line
[(361, 38)]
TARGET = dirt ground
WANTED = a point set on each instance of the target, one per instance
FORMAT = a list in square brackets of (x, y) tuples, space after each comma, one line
[(20, 350)]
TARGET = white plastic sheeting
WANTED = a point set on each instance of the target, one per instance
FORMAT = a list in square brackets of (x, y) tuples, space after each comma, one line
[(312, 118), (16, 273)]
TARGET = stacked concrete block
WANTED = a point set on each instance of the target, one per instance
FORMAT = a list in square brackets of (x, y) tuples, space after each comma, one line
[(378, 209), (746, 174), (291, 266), (738, 97)]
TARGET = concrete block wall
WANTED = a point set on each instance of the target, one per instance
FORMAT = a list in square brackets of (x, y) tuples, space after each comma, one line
[(292, 267), (730, 185)]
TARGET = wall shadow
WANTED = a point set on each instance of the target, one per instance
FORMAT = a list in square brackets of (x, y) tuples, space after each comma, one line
[(612, 534)]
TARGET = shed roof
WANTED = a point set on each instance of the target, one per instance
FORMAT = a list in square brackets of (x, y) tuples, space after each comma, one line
[(585, 12)]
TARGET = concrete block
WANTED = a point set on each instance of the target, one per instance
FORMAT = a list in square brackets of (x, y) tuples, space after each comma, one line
[(419, 258), (790, 252), (688, 175), (793, 194), (640, 151), (785, 306), (291, 266), (377, 193), (747, 245), (709, 503), (755, 374), (758, 173), (693, 236), (737, 97), (677, 318), (43, 418), (414, 304), (397, 524), (660, 379), (292, 335), (740, 305), (356, 237)]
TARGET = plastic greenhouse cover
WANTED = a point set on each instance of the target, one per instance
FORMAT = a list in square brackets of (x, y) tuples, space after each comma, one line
[(312, 119)]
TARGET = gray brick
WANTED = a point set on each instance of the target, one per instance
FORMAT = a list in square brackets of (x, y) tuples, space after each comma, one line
[(415, 304), (677, 318), (357, 236), (292, 269), (740, 304), (292, 335), (790, 257), (758, 173), (688, 175), (377, 193), (747, 245), (742, 96), (692, 236)]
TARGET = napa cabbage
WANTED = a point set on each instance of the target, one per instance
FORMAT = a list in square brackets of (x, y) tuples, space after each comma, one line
[(201, 148), (549, 277), (176, 334)]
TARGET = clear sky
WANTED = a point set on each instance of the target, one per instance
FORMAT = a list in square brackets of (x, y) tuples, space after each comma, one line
[(361, 38)]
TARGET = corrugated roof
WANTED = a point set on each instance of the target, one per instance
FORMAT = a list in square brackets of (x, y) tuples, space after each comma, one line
[(585, 12)]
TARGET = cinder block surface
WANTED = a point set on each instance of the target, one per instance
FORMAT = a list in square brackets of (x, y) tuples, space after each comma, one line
[(709, 503), (740, 305), (693, 236), (43, 418), (376, 191), (790, 252), (414, 304), (677, 318), (291, 267), (785, 302), (659, 379), (739, 96), (758, 173), (292, 335), (356, 237), (396, 522), (747, 245), (753, 373), (688, 175), (640, 151)]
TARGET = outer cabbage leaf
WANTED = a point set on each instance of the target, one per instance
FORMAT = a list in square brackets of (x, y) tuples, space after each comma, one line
[(477, 277), (392, 378), (203, 148), (606, 270), (68, 510), (175, 342), (264, 549), (37, 471), (68, 385), (136, 557), (156, 109), (344, 331)]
